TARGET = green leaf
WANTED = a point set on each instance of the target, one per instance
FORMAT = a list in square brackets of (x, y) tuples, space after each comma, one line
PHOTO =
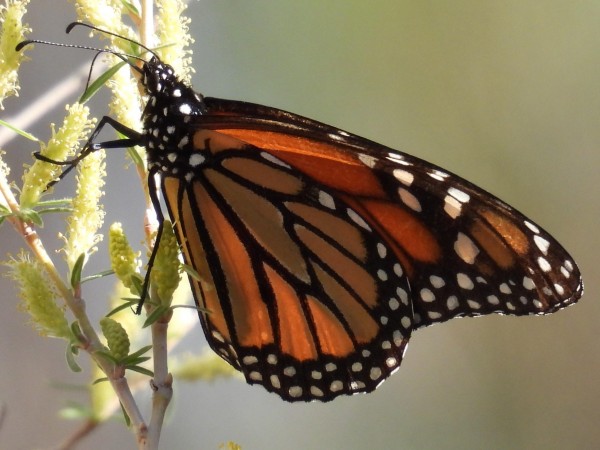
[(70, 354), (135, 157), (191, 272), (100, 380), (55, 210), (106, 354), (95, 276), (76, 330), (141, 370), (25, 134), (129, 304), (76, 272), (138, 285), (55, 202), (125, 415), (156, 314), (140, 352), (131, 9), (29, 215), (99, 82), (127, 362)]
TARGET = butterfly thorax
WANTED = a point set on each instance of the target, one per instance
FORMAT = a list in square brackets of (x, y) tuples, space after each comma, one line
[(166, 118)]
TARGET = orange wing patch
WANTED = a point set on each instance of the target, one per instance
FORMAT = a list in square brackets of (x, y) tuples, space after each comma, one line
[(323, 162), (405, 229), (363, 326), (333, 338), (294, 332), (514, 237), (250, 315)]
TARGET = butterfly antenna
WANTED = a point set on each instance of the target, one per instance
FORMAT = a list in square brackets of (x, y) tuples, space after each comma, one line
[(119, 55), (110, 33)]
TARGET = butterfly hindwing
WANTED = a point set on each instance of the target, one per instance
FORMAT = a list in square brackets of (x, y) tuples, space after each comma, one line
[(303, 296)]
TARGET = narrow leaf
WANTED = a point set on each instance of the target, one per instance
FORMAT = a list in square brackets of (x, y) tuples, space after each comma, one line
[(76, 272), (71, 359), (141, 370), (156, 314), (25, 134), (99, 82)]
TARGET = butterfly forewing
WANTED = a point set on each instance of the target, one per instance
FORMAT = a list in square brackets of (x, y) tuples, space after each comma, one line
[(466, 253)]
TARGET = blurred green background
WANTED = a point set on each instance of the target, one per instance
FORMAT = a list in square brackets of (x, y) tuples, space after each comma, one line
[(506, 94)]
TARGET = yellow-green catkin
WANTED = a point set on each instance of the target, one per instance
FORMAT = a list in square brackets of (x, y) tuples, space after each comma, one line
[(123, 260), (38, 298), (174, 35), (107, 15), (116, 337), (88, 215), (13, 31), (166, 275), (125, 101), (131, 322), (62, 144), (4, 172)]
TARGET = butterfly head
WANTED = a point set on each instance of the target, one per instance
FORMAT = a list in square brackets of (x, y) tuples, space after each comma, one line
[(167, 117)]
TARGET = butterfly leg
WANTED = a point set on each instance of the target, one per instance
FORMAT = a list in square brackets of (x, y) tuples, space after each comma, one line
[(133, 138), (161, 219)]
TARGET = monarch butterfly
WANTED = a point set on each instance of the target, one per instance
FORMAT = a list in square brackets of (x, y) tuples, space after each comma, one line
[(320, 252)]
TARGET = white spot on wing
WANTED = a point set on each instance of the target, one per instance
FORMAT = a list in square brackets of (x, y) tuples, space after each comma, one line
[(403, 176), (409, 199), (196, 159), (532, 227), (326, 200), (464, 281), (452, 206), (367, 160), (274, 160), (357, 219), (436, 282), (465, 248), (541, 243), (528, 283), (427, 295), (459, 195)]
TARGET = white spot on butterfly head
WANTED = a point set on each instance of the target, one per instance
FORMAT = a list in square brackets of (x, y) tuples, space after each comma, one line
[(184, 108)]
